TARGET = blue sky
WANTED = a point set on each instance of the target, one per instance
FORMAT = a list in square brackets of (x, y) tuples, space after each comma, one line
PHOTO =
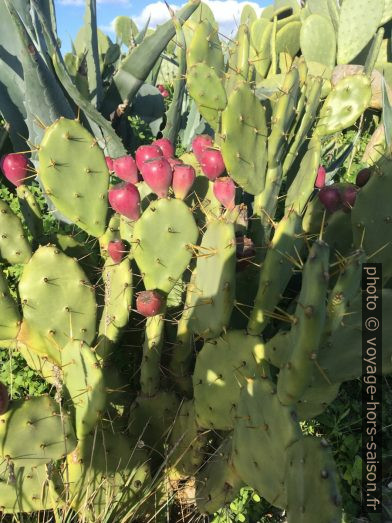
[(70, 14)]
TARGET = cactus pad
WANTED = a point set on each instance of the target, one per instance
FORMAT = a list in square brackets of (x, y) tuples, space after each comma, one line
[(14, 247), (9, 313)]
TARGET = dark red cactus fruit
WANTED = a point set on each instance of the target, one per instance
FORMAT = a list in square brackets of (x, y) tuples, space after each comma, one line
[(330, 197), (165, 93), (124, 198), (211, 162), (200, 143), (224, 190), (4, 399), (349, 195), (15, 168), (183, 179), (109, 163), (116, 250), (158, 175), (320, 179), (149, 303), (166, 146), (363, 177), (160, 87), (146, 152), (125, 168)]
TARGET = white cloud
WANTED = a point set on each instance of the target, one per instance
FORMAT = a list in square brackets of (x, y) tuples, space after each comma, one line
[(83, 2), (227, 13)]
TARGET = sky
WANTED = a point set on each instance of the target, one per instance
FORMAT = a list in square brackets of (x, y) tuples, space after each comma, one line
[(70, 14)]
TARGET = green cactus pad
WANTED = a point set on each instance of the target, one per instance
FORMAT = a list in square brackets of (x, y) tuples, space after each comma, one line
[(244, 141), (47, 432), (9, 313), (371, 218), (277, 270), (187, 443), (218, 483), (278, 349), (318, 40), (26, 489), (358, 23), (118, 299), (222, 369), (42, 365), (344, 104), (83, 379), (58, 303), (74, 174), (104, 470), (263, 432), (340, 357), (31, 211), (150, 421), (205, 47), (14, 247), (316, 398), (214, 286), (206, 88), (150, 370), (162, 237), (307, 328), (312, 483), (260, 45), (287, 39)]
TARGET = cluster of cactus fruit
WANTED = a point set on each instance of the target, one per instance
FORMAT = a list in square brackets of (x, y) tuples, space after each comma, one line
[(232, 272)]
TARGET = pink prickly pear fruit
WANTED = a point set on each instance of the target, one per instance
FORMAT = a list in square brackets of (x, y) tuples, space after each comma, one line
[(116, 250), (149, 303), (183, 179), (330, 197), (211, 162), (146, 152), (158, 175), (174, 161), (349, 195), (320, 179), (165, 93), (4, 399), (109, 163), (125, 168), (200, 143), (363, 177), (160, 87), (124, 198), (14, 167), (166, 146), (224, 190)]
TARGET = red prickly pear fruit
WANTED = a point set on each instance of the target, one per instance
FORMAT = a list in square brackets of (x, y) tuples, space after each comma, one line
[(166, 146), (165, 93), (116, 250), (183, 179), (4, 399), (124, 198), (14, 167), (211, 162), (330, 197), (149, 303), (320, 179), (158, 175), (109, 163), (363, 177), (224, 190), (160, 87), (174, 161), (146, 152), (200, 143), (126, 169), (349, 195)]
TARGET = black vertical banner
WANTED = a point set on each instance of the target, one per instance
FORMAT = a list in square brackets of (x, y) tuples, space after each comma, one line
[(371, 505)]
